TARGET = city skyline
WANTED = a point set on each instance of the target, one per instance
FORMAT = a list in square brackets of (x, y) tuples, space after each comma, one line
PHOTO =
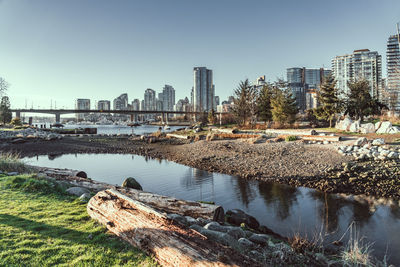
[(57, 52)]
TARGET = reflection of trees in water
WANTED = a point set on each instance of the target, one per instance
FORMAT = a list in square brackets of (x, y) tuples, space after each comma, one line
[(243, 190), (330, 209), (194, 178), (54, 156), (282, 197)]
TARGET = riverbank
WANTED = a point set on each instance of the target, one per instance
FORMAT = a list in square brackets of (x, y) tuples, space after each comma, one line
[(42, 226), (295, 163)]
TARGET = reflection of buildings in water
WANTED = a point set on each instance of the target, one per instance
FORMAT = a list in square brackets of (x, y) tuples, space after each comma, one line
[(281, 197), (244, 192), (195, 178)]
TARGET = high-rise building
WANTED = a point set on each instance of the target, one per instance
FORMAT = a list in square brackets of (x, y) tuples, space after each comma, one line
[(393, 69), (81, 104), (362, 64), (149, 99), (203, 90), (168, 98), (216, 101), (121, 102), (136, 104), (303, 81), (103, 105)]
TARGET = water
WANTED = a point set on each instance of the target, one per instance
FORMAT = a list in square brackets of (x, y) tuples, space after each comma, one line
[(120, 129), (284, 209)]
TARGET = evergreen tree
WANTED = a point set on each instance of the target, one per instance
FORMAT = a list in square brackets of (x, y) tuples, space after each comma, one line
[(284, 108), (328, 100), (5, 112), (264, 103), (244, 102), (212, 117), (359, 101)]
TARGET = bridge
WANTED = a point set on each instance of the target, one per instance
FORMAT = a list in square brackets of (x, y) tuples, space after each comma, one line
[(59, 112)]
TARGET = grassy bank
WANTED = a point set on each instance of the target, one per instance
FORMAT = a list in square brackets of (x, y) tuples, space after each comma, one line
[(42, 226)]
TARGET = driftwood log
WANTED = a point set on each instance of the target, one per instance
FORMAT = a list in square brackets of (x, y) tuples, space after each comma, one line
[(54, 172), (159, 202), (321, 138), (179, 136), (151, 231)]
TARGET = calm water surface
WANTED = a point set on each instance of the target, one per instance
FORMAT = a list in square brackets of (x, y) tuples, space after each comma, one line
[(286, 210), (119, 129)]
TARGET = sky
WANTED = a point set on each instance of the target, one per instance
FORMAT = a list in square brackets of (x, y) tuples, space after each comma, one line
[(53, 52)]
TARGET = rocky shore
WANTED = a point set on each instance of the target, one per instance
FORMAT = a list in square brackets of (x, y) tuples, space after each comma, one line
[(324, 167)]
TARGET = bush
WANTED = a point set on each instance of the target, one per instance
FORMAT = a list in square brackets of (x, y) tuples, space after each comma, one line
[(290, 138), (16, 122)]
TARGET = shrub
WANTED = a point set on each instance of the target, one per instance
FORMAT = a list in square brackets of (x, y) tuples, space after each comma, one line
[(290, 138), (16, 122), (12, 163)]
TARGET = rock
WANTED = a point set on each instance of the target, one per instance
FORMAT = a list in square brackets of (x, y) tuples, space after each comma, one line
[(367, 128), (246, 244), (360, 141), (354, 127), (219, 237), (257, 255), (236, 233), (191, 220), (326, 142), (77, 191), (51, 137), (393, 130), (378, 142), (12, 173), (215, 227), (260, 239), (202, 221), (237, 217), (178, 218), (84, 197), (18, 141), (344, 125), (313, 132), (131, 182), (377, 125), (384, 128)]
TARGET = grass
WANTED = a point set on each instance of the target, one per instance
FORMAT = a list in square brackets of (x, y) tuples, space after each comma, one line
[(12, 163), (42, 226)]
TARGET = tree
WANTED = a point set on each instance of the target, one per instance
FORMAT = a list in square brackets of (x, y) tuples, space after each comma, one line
[(212, 117), (3, 86), (245, 103), (16, 121), (328, 100), (5, 112), (284, 108), (264, 103), (359, 101)]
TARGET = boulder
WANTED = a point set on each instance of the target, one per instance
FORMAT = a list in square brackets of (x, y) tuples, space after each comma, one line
[(215, 226), (313, 132), (237, 217), (377, 125), (384, 128), (77, 191), (354, 127), (344, 125), (378, 142), (360, 141), (131, 182), (246, 244), (367, 128), (393, 130), (84, 197), (260, 239), (236, 232)]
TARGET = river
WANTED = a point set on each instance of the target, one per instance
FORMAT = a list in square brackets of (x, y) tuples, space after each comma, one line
[(284, 209)]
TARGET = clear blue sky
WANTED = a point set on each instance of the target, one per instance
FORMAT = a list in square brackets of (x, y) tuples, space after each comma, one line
[(63, 50)]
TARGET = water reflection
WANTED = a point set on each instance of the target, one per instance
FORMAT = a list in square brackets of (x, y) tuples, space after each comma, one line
[(280, 196), (283, 209)]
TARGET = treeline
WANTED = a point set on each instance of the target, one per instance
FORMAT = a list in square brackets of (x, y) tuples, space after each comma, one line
[(274, 102)]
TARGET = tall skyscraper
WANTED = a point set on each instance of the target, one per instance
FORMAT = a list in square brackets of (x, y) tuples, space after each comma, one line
[(168, 98), (302, 82), (136, 104), (393, 68), (121, 102), (103, 105), (149, 99), (203, 90), (81, 104), (362, 64)]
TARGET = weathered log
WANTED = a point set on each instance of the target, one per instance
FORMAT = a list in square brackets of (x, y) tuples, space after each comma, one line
[(151, 231), (54, 172), (179, 136), (321, 138), (159, 202)]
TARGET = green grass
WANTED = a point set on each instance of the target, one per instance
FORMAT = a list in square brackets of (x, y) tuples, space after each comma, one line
[(42, 226), (12, 163)]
